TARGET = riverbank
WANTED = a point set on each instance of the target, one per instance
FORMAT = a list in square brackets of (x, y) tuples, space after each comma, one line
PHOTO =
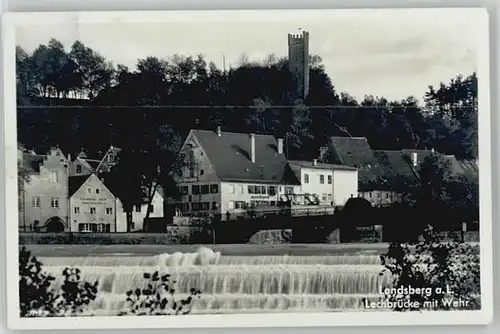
[(231, 250)]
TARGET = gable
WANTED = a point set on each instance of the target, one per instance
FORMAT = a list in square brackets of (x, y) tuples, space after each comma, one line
[(79, 185), (230, 156)]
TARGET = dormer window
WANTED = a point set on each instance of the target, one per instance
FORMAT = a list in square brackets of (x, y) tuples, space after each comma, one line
[(78, 169), (111, 157)]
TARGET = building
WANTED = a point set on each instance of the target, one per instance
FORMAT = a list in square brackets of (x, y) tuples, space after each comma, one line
[(44, 191), (139, 213), (298, 61), (385, 175), (226, 171), (92, 205), (83, 165), (331, 184), (108, 160)]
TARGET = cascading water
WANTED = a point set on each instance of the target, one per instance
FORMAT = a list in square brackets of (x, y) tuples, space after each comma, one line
[(230, 284)]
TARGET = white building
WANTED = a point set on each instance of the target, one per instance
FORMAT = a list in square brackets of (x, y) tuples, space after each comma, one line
[(92, 205), (227, 172), (231, 171), (331, 184), (139, 213)]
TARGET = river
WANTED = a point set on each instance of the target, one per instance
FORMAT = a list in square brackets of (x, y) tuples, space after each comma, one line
[(232, 278)]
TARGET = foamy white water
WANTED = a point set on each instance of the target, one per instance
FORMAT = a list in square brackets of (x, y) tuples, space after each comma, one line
[(229, 284)]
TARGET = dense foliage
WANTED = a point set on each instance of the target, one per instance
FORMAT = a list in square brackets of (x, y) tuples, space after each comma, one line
[(158, 298), (176, 94), (444, 271), (38, 298)]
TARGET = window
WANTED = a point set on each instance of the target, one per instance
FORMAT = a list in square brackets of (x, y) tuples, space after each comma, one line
[(184, 207), (151, 208), (195, 190), (111, 157), (92, 211), (205, 189), (97, 190), (205, 205), (306, 178), (76, 210), (251, 189), (386, 195), (323, 197), (35, 201), (240, 205), (379, 195), (78, 169), (89, 190), (263, 189), (137, 208), (184, 190), (214, 188), (101, 228), (241, 189), (230, 189), (132, 225), (329, 179), (214, 206), (202, 172), (272, 190), (54, 202), (322, 179), (288, 190), (53, 177), (109, 211)]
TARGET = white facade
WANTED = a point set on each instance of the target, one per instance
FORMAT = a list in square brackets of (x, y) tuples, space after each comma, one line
[(93, 208), (345, 186), (138, 214), (332, 185)]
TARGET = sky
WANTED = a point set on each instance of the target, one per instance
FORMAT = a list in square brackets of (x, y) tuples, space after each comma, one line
[(393, 53)]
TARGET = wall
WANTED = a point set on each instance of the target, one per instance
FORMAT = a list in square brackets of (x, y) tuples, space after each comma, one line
[(73, 171), (239, 192), (324, 191), (41, 185), (345, 186), (138, 216), (93, 194), (382, 197)]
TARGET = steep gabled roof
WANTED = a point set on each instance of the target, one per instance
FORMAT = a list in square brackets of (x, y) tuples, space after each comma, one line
[(396, 169), (356, 152), (229, 154)]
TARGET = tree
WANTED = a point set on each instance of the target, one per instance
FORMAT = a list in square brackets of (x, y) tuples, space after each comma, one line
[(444, 271)]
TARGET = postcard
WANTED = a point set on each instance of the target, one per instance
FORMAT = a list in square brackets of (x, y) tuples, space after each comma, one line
[(264, 168)]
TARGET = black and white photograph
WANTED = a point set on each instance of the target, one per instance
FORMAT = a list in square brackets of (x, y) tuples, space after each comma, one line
[(237, 168)]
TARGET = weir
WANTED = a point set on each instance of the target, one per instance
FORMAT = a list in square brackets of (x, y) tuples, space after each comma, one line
[(235, 283)]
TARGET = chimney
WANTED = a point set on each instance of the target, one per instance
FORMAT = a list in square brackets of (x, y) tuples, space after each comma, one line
[(414, 160), (219, 131), (280, 145), (315, 162), (252, 147), (69, 157)]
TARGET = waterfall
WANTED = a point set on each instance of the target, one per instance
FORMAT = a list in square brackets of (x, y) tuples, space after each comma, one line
[(235, 283)]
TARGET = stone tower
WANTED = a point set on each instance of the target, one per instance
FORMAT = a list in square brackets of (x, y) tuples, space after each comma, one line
[(298, 60)]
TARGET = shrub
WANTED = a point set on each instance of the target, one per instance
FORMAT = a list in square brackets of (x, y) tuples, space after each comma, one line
[(37, 298), (159, 297), (445, 271)]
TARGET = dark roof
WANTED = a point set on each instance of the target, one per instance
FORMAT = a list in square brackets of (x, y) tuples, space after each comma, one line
[(356, 152), (320, 165), (75, 182), (32, 162), (395, 168), (230, 155)]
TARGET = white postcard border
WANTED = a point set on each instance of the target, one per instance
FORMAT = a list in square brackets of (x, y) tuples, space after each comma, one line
[(482, 316)]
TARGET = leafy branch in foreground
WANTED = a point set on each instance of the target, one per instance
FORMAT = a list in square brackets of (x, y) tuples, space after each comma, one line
[(447, 273), (158, 298), (37, 297)]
